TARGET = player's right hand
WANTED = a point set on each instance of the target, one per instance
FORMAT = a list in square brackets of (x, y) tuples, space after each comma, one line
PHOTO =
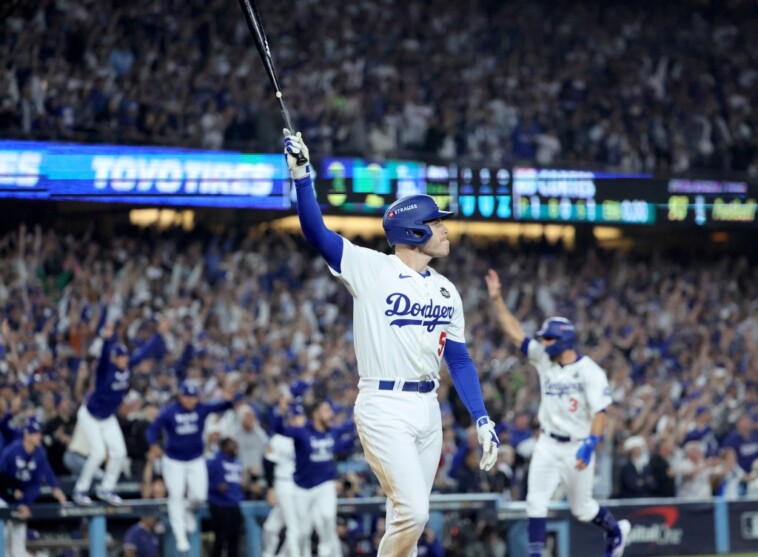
[(154, 452), (293, 146), (24, 512)]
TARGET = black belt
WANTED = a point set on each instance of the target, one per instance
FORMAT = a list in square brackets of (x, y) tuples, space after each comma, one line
[(559, 438), (409, 386)]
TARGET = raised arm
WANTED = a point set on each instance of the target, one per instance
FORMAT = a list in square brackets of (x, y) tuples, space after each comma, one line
[(508, 322), (327, 242)]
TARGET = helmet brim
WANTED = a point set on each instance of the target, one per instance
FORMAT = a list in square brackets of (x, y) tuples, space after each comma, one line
[(442, 215)]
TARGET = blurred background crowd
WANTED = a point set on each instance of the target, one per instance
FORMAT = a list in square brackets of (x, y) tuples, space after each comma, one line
[(639, 85), (677, 334)]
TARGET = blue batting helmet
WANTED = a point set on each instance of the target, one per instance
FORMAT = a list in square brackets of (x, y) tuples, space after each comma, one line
[(405, 221), (560, 329)]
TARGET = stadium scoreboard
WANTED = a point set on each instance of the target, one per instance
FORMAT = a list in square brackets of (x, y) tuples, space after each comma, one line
[(159, 176)]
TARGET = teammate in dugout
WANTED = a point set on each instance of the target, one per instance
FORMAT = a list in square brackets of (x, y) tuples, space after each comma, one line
[(23, 466), (97, 417), (316, 442), (406, 316), (572, 417), (184, 468)]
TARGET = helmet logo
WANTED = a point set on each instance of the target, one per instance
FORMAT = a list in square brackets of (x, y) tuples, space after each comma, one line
[(404, 209)]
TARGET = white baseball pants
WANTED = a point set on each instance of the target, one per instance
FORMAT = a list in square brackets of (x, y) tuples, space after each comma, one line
[(554, 462), (284, 514), (317, 509), (104, 438), (184, 477), (401, 434), (15, 536)]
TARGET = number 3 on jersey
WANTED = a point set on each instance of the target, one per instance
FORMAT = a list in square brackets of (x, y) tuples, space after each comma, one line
[(443, 339), (573, 404)]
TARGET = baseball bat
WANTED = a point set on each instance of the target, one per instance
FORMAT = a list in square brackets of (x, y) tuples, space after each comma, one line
[(255, 24)]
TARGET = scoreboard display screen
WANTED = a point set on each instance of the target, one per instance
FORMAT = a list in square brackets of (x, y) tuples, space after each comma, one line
[(362, 187), (581, 196)]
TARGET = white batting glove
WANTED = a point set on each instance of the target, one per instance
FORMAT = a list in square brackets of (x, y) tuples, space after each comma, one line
[(293, 146), (489, 442)]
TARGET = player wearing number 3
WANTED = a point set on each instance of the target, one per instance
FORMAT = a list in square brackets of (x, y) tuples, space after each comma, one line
[(406, 317), (572, 416)]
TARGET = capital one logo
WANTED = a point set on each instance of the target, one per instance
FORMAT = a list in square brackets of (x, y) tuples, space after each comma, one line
[(662, 531)]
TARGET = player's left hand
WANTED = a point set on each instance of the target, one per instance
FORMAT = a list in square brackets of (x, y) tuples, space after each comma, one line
[(489, 442), (293, 146), (59, 495), (585, 452)]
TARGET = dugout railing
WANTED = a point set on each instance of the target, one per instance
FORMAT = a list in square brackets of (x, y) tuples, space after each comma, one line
[(660, 526)]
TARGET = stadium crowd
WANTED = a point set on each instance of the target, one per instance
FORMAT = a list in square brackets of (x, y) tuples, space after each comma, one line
[(258, 313), (638, 85)]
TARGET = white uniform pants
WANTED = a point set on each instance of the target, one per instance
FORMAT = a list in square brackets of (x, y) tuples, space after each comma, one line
[(284, 514), (184, 477), (554, 462), (401, 434), (317, 509), (104, 438), (15, 536)]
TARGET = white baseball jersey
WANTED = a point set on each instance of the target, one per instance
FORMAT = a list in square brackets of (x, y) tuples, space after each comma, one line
[(401, 319), (571, 394), (282, 453)]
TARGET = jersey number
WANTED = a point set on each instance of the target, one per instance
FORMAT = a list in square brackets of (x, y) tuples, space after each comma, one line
[(443, 339), (573, 404)]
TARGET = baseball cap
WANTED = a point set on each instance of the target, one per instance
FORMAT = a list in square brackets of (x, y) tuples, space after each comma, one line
[(32, 425), (702, 410), (188, 388), (119, 350)]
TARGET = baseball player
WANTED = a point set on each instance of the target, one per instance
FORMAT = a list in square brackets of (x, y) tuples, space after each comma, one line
[(280, 453), (315, 493), (184, 468), (225, 473), (97, 417), (23, 466), (572, 417), (406, 316)]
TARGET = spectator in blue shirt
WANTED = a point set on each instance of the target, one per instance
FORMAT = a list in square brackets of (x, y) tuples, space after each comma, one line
[(744, 441), (141, 540), (224, 495)]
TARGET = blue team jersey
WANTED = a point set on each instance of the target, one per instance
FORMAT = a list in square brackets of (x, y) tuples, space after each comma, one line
[(746, 449), (27, 470), (111, 383), (314, 452), (184, 428), (227, 471), (145, 543)]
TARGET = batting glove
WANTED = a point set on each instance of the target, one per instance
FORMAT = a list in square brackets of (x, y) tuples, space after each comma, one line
[(587, 449), (489, 442), (293, 146)]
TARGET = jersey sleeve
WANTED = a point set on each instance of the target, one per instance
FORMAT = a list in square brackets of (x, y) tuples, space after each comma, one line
[(360, 269), (596, 389), (535, 352)]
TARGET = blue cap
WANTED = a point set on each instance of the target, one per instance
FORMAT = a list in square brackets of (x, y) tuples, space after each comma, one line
[(188, 388), (32, 425), (119, 350), (298, 388), (701, 410)]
